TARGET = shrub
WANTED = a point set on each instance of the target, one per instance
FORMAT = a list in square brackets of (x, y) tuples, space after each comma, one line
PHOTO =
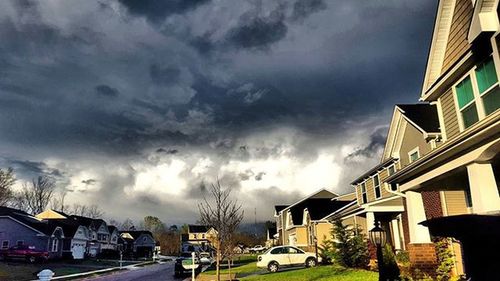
[(347, 248), (389, 264), (403, 257), (444, 258)]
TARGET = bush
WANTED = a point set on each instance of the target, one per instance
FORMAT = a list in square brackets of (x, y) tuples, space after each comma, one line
[(389, 264), (347, 248), (403, 257), (445, 259)]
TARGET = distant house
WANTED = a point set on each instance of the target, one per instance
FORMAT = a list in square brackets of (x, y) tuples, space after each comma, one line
[(76, 235), (138, 243), (272, 237), (98, 234), (20, 228), (199, 238)]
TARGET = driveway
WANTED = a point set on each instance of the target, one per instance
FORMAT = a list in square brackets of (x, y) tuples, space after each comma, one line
[(163, 272)]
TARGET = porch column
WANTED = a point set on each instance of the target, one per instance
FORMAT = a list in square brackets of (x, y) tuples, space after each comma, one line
[(483, 188), (395, 234), (370, 221), (416, 214)]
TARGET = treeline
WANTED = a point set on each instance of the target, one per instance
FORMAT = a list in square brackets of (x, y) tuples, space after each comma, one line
[(38, 194)]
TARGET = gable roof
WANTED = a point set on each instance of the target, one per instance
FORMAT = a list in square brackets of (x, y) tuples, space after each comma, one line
[(279, 208), (320, 194), (136, 233), (194, 228), (51, 214), (318, 208), (88, 222), (437, 50), (424, 115), (28, 220)]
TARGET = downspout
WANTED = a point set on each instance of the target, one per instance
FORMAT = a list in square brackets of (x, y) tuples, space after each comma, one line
[(387, 187)]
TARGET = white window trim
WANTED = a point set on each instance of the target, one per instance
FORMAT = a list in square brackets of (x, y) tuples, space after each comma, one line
[(8, 244), (55, 244), (388, 172), (375, 186), (478, 98), (361, 192), (417, 150)]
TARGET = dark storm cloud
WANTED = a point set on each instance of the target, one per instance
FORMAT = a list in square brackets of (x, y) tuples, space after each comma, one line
[(303, 8), (258, 32), (377, 142), (107, 91), (201, 77), (31, 169), (157, 10)]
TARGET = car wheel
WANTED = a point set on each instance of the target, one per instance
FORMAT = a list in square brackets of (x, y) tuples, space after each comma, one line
[(31, 259), (311, 262), (273, 267)]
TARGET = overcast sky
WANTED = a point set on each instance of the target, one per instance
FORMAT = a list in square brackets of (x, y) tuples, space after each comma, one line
[(138, 106)]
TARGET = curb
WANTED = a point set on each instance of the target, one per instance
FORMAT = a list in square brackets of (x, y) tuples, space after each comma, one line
[(104, 270)]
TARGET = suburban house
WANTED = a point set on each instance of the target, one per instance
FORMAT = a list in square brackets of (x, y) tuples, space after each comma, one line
[(280, 222), (76, 236), (138, 243), (19, 228), (199, 238), (452, 189), (271, 237), (304, 224), (98, 234)]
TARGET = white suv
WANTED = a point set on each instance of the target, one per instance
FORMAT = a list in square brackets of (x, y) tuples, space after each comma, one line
[(285, 256)]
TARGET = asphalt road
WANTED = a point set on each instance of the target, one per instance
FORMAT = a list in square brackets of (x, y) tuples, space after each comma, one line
[(157, 272)]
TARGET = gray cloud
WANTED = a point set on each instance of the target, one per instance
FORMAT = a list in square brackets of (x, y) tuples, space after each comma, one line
[(107, 91), (206, 88)]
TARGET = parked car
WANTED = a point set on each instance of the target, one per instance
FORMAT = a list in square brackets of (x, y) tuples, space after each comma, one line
[(184, 265), (285, 256), (25, 252), (205, 258), (257, 249)]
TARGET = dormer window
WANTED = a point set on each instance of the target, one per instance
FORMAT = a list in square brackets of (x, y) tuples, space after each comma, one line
[(391, 170)]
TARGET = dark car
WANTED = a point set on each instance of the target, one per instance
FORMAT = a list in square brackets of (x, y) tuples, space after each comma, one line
[(25, 252), (183, 265)]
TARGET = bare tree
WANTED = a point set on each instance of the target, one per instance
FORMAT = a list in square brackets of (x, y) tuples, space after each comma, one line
[(57, 203), (36, 195), (223, 214), (92, 211), (7, 180)]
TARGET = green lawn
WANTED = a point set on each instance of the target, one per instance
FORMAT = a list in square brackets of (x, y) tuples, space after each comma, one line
[(246, 269), (321, 273)]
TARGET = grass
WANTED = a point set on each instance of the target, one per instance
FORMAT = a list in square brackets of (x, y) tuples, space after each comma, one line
[(246, 269), (21, 271), (321, 273)]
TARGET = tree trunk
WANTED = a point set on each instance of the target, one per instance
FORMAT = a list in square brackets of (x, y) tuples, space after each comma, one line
[(229, 267), (217, 261)]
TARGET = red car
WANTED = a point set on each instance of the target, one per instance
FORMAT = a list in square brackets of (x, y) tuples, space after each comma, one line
[(25, 252)]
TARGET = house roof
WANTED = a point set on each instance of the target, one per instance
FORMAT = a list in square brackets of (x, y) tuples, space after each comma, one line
[(320, 194), (318, 208), (271, 231), (69, 227), (86, 221), (423, 115), (351, 209), (136, 233), (194, 228), (112, 228), (51, 214), (373, 170), (279, 208), (28, 220)]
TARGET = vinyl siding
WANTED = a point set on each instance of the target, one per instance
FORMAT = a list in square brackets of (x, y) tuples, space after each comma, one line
[(369, 190), (455, 202), (413, 138), (301, 235), (457, 41), (323, 232), (383, 175), (449, 114)]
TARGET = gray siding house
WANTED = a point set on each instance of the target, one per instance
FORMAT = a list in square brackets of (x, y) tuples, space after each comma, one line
[(20, 228)]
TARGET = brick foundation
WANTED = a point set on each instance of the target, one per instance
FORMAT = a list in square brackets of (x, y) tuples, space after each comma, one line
[(423, 258)]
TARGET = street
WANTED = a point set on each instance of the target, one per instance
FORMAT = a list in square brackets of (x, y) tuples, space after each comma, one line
[(157, 272)]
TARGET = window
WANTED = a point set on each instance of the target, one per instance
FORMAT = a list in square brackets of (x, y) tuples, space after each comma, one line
[(363, 193), (391, 170), (54, 245), (487, 84), (277, 251), (478, 94), (376, 183), (19, 242), (414, 155), (203, 236), (5, 244)]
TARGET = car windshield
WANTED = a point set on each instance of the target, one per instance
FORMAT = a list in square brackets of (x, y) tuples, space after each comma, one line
[(268, 250)]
